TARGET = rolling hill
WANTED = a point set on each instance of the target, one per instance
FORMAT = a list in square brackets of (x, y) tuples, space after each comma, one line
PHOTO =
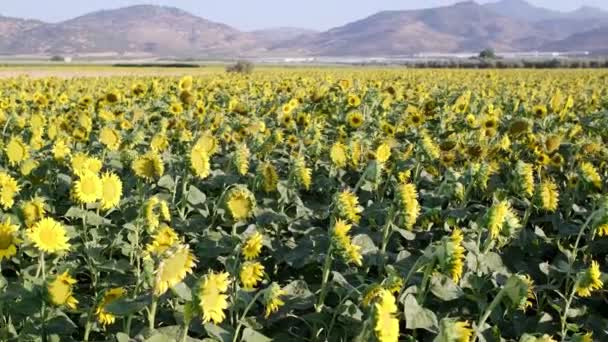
[(147, 30)]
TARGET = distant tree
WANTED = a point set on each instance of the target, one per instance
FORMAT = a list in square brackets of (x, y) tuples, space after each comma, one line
[(241, 67), (487, 54), (57, 59)]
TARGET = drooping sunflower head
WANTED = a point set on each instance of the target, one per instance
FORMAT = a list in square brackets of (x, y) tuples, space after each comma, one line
[(386, 324), (175, 265), (270, 177), (240, 202), (251, 274), (212, 297), (60, 291), (104, 317), (49, 236), (110, 138), (8, 190), (337, 154), (162, 240), (253, 246), (272, 299), (8, 239), (347, 205)]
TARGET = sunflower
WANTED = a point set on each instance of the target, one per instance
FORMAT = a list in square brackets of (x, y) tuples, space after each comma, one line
[(383, 153), (111, 190), (60, 291), (353, 100), (409, 206), (110, 138), (589, 280), (349, 251), (60, 150), (162, 240), (16, 150), (386, 325), (548, 195), (337, 154), (525, 178), (49, 236), (156, 209), (240, 202), (251, 274), (28, 166), (272, 299), (590, 174), (149, 166), (253, 246), (355, 119), (32, 211), (212, 297), (241, 159), (496, 218), (8, 190), (347, 204), (88, 188), (270, 178), (8, 239), (81, 163), (176, 108), (173, 268), (199, 162), (539, 111), (456, 262), (105, 318)]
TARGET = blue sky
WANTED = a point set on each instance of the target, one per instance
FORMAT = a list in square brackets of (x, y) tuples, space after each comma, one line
[(254, 14)]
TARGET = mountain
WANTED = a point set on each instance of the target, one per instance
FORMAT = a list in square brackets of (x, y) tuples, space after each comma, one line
[(281, 34), (11, 27), (147, 30), (522, 10), (466, 26), (592, 40), (137, 29)]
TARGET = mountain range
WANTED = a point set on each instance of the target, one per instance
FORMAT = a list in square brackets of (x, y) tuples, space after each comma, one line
[(148, 30)]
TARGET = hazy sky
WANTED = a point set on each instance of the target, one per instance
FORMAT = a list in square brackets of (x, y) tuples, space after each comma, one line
[(254, 14)]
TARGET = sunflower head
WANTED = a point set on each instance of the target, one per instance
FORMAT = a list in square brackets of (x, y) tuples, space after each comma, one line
[(240, 202), (88, 188), (175, 265), (60, 291), (49, 236), (8, 239), (212, 297)]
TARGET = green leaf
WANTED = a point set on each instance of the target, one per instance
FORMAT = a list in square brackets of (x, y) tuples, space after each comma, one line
[(444, 288), (182, 291), (195, 196), (122, 337), (250, 335), (128, 306), (417, 317), (218, 332)]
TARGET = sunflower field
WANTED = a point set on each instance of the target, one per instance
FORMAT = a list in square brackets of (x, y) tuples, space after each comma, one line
[(326, 204)]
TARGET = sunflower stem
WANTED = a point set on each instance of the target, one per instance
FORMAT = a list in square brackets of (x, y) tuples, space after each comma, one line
[(244, 315), (425, 281), (42, 266), (564, 317), (326, 270), (87, 328), (386, 235), (152, 313), (487, 313)]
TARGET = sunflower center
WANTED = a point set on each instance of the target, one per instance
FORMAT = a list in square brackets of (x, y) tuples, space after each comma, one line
[(88, 186), (240, 206), (48, 236)]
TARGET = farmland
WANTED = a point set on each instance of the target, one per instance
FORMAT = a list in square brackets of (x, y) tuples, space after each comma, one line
[(303, 204)]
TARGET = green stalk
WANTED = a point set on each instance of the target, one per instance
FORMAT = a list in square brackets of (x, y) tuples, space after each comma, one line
[(425, 281), (564, 317), (385, 235), (249, 306), (152, 312), (42, 266), (488, 312), (326, 270)]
